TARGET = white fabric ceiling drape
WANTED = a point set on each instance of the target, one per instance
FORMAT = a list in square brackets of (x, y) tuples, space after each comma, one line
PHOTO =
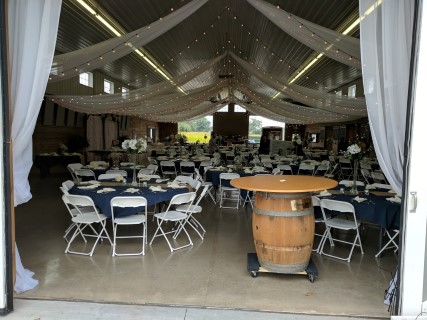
[(331, 43), (386, 39), (70, 64), (32, 29)]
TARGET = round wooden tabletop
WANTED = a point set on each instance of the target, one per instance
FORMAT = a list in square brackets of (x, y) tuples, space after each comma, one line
[(283, 183)]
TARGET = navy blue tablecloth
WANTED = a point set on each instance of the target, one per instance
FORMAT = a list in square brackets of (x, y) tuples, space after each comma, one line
[(102, 200), (376, 209)]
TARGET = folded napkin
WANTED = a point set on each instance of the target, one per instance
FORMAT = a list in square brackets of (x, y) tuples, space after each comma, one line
[(161, 180), (131, 190), (391, 191), (144, 178), (359, 199), (395, 199), (106, 190), (248, 171), (325, 193), (175, 185), (370, 187), (155, 188), (89, 187)]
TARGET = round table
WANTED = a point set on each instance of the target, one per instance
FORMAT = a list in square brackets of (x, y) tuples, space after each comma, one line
[(283, 219)]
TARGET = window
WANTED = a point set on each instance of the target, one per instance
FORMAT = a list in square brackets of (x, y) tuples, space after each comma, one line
[(108, 86), (338, 93), (223, 109), (352, 91), (86, 79), (238, 108), (125, 92)]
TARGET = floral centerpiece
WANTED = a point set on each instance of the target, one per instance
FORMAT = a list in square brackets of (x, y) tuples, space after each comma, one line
[(354, 152), (133, 147)]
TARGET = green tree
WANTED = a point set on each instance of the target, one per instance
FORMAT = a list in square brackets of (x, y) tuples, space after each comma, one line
[(198, 125), (255, 126), (202, 125), (184, 127)]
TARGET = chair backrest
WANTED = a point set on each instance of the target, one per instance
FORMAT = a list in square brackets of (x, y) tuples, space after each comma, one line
[(382, 186), (350, 183), (182, 198), (127, 164), (64, 191), (168, 164), (316, 201), (75, 202), (366, 175), (85, 173), (227, 176), (67, 185), (109, 176), (378, 177), (345, 163), (285, 168), (276, 171), (145, 171), (365, 165), (74, 166), (122, 173), (99, 163), (304, 167), (128, 202), (337, 206), (187, 179), (153, 167)]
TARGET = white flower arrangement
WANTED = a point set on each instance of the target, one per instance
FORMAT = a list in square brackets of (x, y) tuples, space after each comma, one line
[(135, 145), (354, 152)]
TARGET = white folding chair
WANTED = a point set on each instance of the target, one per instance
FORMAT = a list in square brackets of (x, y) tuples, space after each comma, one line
[(322, 169), (175, 217), (316, 203), (378, 177), (109, 176), (391, 243), (228, 192), (337, 222), (187, 168), (285, 168), (211, 191), (168, 168), (67, 185), (276, 171), (72, 167), (135, 219), (122, 173), (346, 168), (144, 171), (191, 209), (98, 163), (84, 174), (84, 220), (153, 168), (306, 169), (194, 183)]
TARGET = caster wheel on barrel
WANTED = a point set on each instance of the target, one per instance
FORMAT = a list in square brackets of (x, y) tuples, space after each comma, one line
[(311, 277), (253, 274)]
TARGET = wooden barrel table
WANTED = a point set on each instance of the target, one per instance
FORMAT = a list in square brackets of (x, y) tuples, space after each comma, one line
[(283, 219)]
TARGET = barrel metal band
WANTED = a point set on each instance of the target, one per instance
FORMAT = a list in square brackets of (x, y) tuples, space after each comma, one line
[(284, 268), (283, 213), (284, 249)]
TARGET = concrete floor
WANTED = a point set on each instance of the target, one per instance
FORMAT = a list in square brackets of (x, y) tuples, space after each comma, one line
[(210, 274)]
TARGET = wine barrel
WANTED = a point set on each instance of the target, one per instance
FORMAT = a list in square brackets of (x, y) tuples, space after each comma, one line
[(283, 230)]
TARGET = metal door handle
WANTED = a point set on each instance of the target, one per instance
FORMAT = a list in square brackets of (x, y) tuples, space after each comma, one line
[(413, 202)]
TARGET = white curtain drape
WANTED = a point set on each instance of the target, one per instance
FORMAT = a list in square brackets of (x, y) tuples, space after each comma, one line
[(110, 133), (331, 43), (386, 39), (95, 135), (32, 29), (73, 63)]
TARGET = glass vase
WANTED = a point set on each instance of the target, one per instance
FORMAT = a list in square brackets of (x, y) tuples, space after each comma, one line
[(134, 180), (355, 170)]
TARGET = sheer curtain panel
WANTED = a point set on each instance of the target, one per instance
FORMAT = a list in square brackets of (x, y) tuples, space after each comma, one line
[(386, 39), (32, 29)]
